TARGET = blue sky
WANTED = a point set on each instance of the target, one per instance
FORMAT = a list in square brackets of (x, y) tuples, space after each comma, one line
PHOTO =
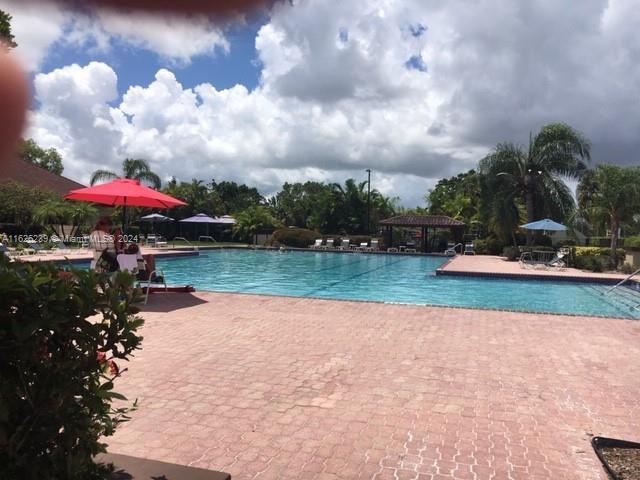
[(137, 66)]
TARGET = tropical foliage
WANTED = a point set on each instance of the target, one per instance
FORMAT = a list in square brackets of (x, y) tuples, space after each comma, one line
[(55, 213), (6, 37), (252, 221), (19, 203), (535, 176), (49, 159), (136, 169), (58, 365), (610, 194), (331, 208)]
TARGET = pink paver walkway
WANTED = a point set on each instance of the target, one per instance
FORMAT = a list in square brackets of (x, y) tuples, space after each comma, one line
[(285, 388), (488, 264)]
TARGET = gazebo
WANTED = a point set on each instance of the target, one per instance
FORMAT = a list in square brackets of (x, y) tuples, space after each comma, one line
[(424, 222)]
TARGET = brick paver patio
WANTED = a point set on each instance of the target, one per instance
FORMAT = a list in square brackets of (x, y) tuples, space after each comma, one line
[(285, 388)]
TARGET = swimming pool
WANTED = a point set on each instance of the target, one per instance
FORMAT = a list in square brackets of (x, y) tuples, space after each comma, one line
[(386, 278)]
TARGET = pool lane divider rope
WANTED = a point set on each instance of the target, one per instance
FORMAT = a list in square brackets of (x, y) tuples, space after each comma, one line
[(352, 277)]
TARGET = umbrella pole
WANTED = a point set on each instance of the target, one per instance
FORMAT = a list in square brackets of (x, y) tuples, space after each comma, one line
[(124, 215)]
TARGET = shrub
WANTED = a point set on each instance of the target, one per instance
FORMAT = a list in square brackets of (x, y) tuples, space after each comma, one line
[(293, 237), (60, 334), (632, 242), (488, 246), (511, 253), (596, 259), (627, 268)]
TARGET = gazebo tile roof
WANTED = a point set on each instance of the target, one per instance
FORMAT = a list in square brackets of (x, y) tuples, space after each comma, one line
[(422, 221)]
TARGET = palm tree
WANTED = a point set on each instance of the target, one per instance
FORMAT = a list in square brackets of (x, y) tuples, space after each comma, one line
[(136, 169), (52, 213), (535, 175), (253, 219)]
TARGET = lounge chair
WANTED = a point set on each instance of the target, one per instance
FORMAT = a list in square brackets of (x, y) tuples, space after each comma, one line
[(558, 259), (452, 248), (8, 252), (61, 248), (35, 249), (345, 244), (329, 244), (375, 245), (468, 249), (317, 244), (364, 246)]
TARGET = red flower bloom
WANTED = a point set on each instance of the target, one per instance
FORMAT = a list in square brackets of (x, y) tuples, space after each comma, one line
[(113, 368), (102, 357)]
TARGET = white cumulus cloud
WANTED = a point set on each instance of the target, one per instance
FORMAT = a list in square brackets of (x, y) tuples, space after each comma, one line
[(413, 90)]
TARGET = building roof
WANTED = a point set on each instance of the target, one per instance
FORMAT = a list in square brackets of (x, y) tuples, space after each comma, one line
[(34, 176), (422, 221)]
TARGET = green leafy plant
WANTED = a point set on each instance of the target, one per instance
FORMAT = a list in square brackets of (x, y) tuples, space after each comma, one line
[(63, 338)]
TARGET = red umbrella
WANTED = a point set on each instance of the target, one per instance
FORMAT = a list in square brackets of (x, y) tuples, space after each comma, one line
[(125, 192)]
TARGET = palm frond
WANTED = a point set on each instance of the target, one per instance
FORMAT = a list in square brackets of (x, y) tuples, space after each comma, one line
[(102, 176)]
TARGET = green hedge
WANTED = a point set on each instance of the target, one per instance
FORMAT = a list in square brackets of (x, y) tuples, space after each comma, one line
[(293, 237), (596, 259), (488, 246), (633, 242)]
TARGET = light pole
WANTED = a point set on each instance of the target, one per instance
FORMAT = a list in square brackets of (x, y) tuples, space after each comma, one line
[(368, 170)]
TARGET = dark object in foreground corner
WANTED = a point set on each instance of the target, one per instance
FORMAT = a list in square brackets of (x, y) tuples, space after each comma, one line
[(133, 468), (621, 459)]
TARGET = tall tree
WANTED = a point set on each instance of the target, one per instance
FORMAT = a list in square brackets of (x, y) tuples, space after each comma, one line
[(48, 159), (456, 197), (612, 192), (536, 174), (6, 37), (136, 169)]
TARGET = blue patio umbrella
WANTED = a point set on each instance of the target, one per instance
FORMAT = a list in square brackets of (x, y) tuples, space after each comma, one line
[(546, 224)]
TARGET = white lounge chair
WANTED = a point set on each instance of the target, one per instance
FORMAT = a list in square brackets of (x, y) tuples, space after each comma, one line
[(375, 245), (329, 244), (317, 244), (363, 246), (468, 249), (452, 249), (345, 244)]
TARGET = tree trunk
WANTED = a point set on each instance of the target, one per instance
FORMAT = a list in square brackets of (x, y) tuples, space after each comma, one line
[(528, 200), (615, 224)]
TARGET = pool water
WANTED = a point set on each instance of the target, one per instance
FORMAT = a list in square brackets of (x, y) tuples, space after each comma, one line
[(387, 278)]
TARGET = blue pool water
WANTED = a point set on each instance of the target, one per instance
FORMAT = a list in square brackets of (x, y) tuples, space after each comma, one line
[(386, 278)]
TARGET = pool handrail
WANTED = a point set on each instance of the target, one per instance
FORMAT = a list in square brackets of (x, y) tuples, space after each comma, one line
[(207, 237)]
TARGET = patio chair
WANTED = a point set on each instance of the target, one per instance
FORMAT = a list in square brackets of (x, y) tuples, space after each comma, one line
[(557, 261), (452, 248), (61, 248), (35, 249), (147, 275), (344, 245), (151, 240), (375, 244), (329, 244), (8, 252), (317, 244), (364, 246), (468, 249)]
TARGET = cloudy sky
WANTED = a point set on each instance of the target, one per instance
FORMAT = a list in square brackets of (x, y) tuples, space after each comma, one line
[(311, 89)]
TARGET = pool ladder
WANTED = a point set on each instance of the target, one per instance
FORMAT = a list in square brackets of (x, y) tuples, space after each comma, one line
[(621, 282)]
